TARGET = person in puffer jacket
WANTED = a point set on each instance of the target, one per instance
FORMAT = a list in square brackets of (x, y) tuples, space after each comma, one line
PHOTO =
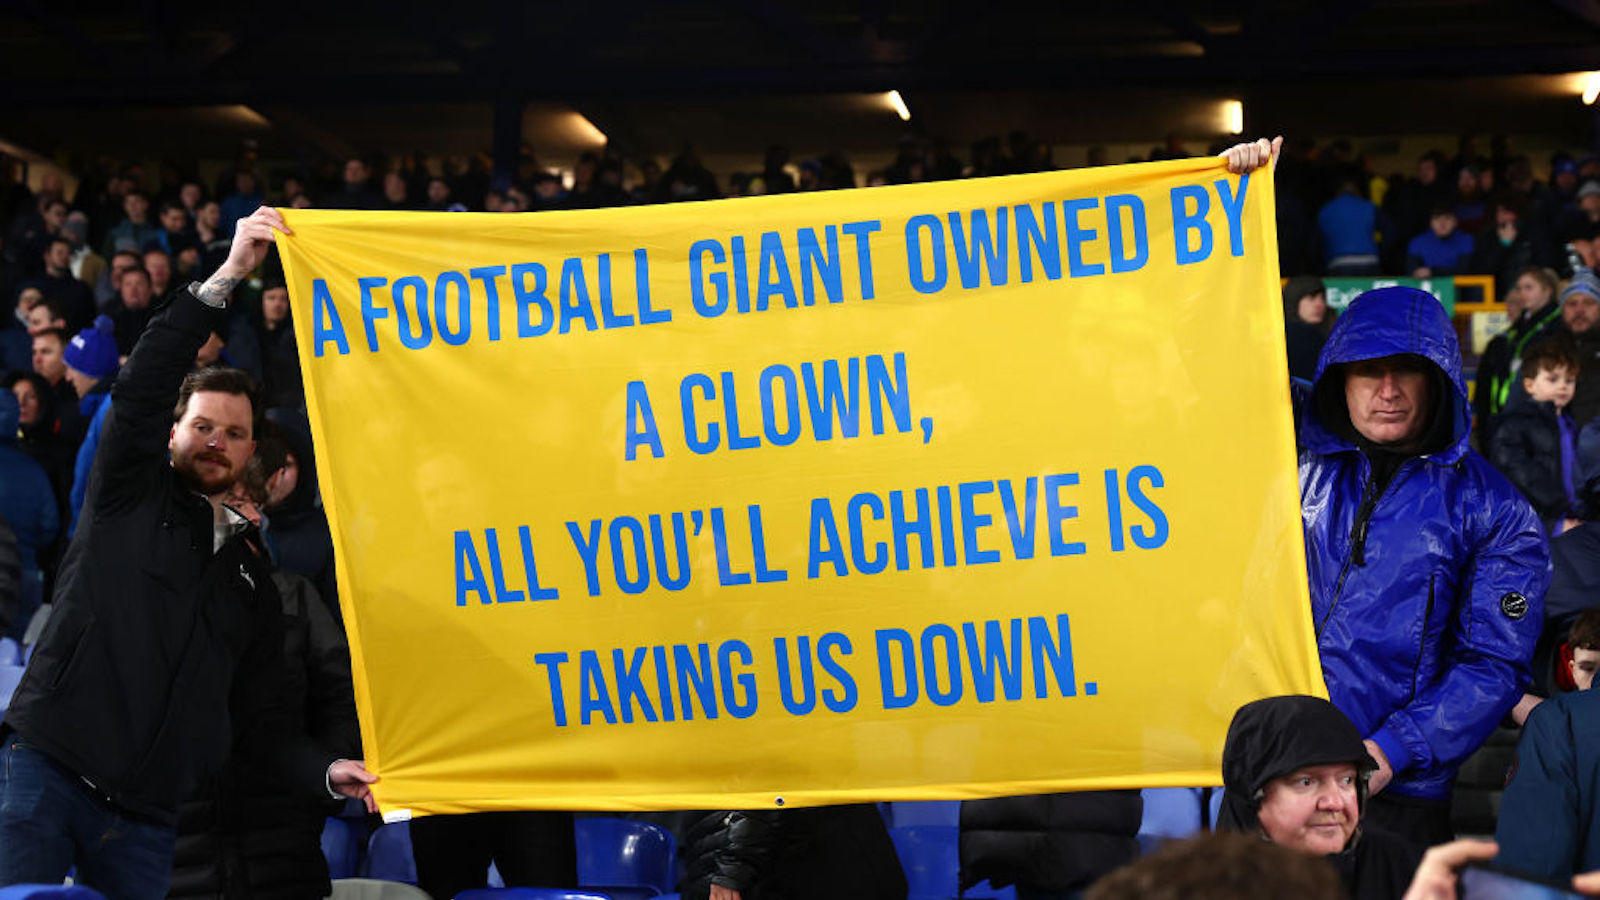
[(838, 852), (1427, 568), (1049, 845)]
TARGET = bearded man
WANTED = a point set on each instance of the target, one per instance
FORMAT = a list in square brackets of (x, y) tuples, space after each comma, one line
[(164, 655)]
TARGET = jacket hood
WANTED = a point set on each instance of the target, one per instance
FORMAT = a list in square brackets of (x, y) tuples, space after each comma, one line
[(1383, 322), (1276, 736), (297, 434), (1296, 288)]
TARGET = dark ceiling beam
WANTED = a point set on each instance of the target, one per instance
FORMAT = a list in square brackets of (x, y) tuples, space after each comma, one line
[(573, 83), (291, 121), (1182, 24), (1269, 32), (162, 47), (206, 57), (1586, 11), (782, 23), (82, 46), (248, 27)]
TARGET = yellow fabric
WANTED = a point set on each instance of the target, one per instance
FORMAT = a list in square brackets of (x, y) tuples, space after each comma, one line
[(992, 390)]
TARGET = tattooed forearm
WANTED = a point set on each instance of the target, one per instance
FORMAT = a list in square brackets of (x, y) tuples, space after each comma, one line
[(217, 289)]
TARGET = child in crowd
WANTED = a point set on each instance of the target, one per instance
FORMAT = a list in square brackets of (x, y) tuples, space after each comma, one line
[(1535, 440), (1585, 642), (1442, 249)]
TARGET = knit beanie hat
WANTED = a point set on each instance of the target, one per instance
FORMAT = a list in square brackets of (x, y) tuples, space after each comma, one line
[(1583, 282), (93, 351)]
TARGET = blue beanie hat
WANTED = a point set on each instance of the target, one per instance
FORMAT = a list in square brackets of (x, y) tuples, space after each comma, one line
[(93, 351), (1583, 282)]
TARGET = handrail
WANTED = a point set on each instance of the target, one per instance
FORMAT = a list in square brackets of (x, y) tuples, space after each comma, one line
[(1484, 284)]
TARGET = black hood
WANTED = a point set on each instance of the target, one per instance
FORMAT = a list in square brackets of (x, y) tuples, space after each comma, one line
[(297, 434), (1276, 736)]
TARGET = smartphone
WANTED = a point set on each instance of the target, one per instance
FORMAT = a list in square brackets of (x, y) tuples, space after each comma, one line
[(1479, 882)]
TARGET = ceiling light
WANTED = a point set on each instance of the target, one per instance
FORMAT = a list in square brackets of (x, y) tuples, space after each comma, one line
[(584, 131), (898, 104), (1233, 116)]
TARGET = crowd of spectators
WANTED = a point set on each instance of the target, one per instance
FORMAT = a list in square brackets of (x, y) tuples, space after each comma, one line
[(1468, 211), (83, 273)]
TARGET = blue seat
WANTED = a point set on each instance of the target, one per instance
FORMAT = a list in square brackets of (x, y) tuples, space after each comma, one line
[(925, 812), (530, 894), (10, 676), (389, 854), (49, 892), (10, 652), (341, 846), (983, 890), (625, 853), (929, 855), (1169, 814)]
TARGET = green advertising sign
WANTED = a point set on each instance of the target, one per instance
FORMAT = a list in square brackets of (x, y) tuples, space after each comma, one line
[(1342, 290)]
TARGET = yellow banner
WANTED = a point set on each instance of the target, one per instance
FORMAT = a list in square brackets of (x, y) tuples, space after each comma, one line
[(935, 491)]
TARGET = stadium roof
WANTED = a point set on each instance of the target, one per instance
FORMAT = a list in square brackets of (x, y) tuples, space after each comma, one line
[(738, 75)]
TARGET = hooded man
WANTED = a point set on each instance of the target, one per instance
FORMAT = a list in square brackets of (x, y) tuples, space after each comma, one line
[(1295, 771), (1306, 323), (299, 537), (1427, 568)]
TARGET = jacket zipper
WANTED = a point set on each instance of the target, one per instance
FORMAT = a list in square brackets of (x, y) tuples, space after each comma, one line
[(1358, 537), (1422, 643)]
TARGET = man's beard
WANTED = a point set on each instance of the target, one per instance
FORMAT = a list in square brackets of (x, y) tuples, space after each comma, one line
[(189, 473)]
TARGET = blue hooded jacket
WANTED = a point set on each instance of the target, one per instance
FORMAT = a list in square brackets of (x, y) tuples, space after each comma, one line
[(1426, 593)]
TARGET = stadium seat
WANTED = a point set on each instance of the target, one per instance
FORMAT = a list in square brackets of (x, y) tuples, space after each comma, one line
[(10, 652), (341, 846), (929, 855), (389, 854), (372, 889), (927, 816), (10, 676), (624, 853), (532, 894), (1480, 784), (983, 890), (1169, 813), (49, 892)]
